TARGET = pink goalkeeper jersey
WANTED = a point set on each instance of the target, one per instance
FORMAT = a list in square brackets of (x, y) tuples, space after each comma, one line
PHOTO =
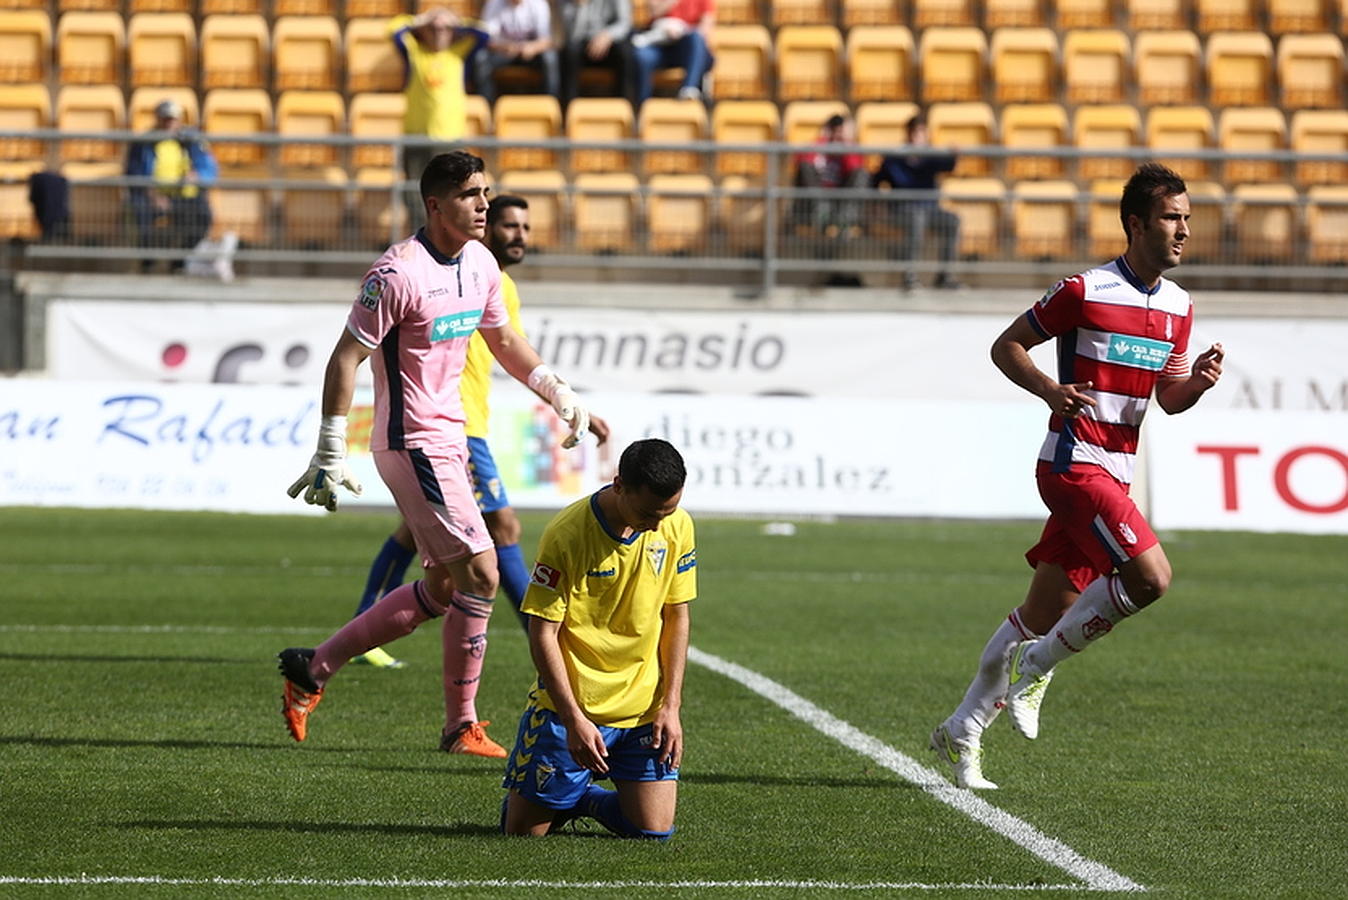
[(1123, 337), (416, 311)]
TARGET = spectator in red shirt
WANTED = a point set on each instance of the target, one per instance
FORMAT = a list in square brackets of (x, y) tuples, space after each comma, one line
[(678, 36), (831, 170)]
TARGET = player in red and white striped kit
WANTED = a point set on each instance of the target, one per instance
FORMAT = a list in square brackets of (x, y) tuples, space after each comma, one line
[(1123, 333)]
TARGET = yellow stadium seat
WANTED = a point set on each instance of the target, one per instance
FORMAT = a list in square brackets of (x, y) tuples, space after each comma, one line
[(162, 49), (16, 213), (374, 9), (1240, 69), (25, 46), (1013, 13), (1100, 127), (883, 125), (140, 108), (1266, 221), (1227, 15), (809, 62), (1025, 64), (740, 211), (244, 210), (738, 12), (90, 48), (880, 62), (743, 61), (228, 111), (606, 211), (372, 62), (304, 8), (23, 107), (232, 7), (177, 6), (927, 13), (71, 5), (678, 213), (1096, 66), (1310, 71), (1104, 230), (952, 62), (235, 51), (744, 122), (964, 125), (603, 119), (545, 190), (477, 119), (312, 217), (1085, 14), (527, 117), (1044, 219), (803, 119), (1327, 224), (306, 50), (1034, 126), (1298, 16), (980, 203), (1162, 15), (375, 116), (96, 211), (381, 215), (668, 121), (1252, 129), (1166, 67), (310, 114), (1320, 131), (91, 108), (1207, 222), (1182, 128), (871, 12), (799, 12)]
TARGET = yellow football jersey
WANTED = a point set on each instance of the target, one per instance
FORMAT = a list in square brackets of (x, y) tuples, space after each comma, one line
[(609, 594), (475, 382), (436, 104)]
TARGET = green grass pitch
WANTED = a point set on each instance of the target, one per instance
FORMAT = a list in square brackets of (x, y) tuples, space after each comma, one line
[(1198, 751)]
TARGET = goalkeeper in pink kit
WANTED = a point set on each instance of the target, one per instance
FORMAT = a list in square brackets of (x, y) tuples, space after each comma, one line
[(418, 306)]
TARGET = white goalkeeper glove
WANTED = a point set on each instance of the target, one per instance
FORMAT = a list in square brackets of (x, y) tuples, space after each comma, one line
[(327, 468), (549, 385)]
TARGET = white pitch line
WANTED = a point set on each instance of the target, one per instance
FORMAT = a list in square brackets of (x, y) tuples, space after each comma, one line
[(1051, 850)]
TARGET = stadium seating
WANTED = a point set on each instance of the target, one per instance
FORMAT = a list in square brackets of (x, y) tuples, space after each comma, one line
[(809, 62), (245, 211), (177, 6), (1240, 69), (16, 214), (375, 116), (744, 122), (307, 53), (738, 12), (70, 5), (91, 108), (90, 48), (798, 12), (372, 62), (25, 46), (96, 209), (979, 204), (1227, 15), (880, 63), (927, 13), (310, 114), (375, 9), (964, 125), (605, 211), (743, 61), (1013, 13), (600, 119), (803, 119), (527, 117), (311, 216), (1320, 131), (23, 107), (1310, 71), (546, 192), (952, 62), (380, 214), (1298, 16), (1104, 229), (162, 49), (1100, 127), (235, 52), (1252, 129), (1207, 222), (141, 106), (1085, 14), (1327, 224), (1024, 65), (1044, 219), (1266, 221), (1096, 66), (1166, 67), (871, 12), (740, 212), (1034, 126), (232, 7), (229, 111), (1182, 128), (883, 125), (1157, 15), (679, 213), (668, 121)]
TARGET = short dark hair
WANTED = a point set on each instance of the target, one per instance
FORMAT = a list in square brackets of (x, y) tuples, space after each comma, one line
[(1151, 182), (500, 203), (835, 121), (916, 122), (654, 464), (448, 171)]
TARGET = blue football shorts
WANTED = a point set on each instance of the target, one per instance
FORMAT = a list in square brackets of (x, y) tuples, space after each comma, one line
[(542, 770), (487, 486)]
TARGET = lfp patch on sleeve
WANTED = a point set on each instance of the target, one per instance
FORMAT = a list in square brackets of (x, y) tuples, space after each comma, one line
[(546, 576), (371, 291)]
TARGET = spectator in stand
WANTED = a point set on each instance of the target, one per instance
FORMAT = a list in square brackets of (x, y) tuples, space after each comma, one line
[(597, 34), (678, 36), (435, 47), (920, 213), (831, 170), (519, 34), (174, 211)]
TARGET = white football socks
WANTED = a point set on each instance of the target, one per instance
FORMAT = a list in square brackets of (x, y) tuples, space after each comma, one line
[(1100, 607), (983, 700)]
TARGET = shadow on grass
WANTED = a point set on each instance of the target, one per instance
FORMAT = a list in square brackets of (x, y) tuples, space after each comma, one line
[(804, 781), (458, 829)]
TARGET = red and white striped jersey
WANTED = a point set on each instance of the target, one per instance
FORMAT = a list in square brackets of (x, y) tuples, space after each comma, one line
[(1122, 337)]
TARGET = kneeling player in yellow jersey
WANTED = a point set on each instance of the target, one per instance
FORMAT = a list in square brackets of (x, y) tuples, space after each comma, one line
[(608, 602)]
